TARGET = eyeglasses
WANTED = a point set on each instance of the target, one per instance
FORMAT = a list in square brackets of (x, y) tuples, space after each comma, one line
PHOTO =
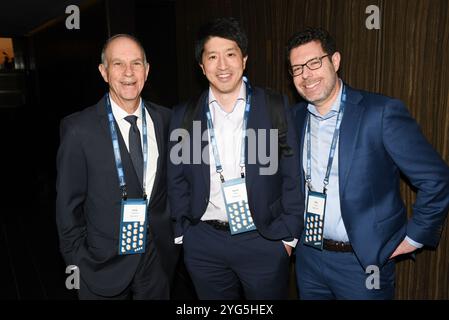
[(312, 64)]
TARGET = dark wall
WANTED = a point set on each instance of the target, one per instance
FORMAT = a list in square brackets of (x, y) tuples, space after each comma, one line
[(156, 28), (62, 69), (407, 58)]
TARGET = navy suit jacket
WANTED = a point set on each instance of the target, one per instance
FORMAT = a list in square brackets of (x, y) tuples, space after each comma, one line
[(89, 199), (276, 201), (379, 140)]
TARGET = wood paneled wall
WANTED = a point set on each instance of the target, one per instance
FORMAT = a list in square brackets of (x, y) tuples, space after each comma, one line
[(407, 59)]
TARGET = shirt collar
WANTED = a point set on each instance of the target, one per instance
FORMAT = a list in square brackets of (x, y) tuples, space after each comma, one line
[(335, 108), (241, 96), (119, 113)]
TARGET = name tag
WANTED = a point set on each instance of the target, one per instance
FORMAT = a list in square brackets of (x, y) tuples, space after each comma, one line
[(133, 227), (314, 220), (237, 209)]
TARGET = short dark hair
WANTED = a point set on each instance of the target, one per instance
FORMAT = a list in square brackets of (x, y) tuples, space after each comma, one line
[(227, 28), (121, 35), (308, 35)]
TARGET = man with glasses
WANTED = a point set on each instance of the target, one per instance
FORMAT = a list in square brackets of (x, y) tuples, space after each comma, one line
[(355, 145)]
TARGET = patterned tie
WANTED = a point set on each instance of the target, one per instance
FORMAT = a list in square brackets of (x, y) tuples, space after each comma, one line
[(135, 147)]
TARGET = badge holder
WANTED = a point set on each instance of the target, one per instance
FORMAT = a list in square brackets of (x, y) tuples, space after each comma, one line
[(237, 209), (314, 220), (133, 227)]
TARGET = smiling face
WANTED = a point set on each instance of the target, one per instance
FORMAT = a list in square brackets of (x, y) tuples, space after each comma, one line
[(321, 86), (223, 65), (126, 71)]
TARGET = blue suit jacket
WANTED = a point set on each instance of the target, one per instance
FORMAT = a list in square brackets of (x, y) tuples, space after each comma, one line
[(276, 201), (378, 141)]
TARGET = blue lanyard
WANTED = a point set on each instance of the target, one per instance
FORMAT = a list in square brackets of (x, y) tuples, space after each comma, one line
[(115, 145), (210, 127), (332, 149)]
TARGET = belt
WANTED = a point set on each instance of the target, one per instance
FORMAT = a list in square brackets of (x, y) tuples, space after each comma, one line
[(337, 246), (217, 224)]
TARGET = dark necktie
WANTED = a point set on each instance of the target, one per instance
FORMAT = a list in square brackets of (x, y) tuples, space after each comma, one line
[(135, 147)]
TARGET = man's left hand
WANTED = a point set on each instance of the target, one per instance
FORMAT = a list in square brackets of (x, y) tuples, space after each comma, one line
[(404, 248)]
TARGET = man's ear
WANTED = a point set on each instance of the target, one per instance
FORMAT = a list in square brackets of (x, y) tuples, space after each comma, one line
[(202, 68), (336, 58), (244, 62), (147, 71), (103, 72)]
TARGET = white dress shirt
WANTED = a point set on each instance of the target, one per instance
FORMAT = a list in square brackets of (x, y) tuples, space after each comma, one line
[(228, 133), (153, 153)]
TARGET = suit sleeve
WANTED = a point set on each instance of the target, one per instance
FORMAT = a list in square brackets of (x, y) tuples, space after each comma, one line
[(292, 195), (425, 169), (71, 187), (177, 185)]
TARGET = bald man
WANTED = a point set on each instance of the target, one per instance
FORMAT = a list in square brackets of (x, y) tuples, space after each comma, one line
[(111, 208)]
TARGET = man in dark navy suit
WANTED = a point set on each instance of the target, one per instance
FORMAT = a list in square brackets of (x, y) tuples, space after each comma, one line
[(232, 255), (355, 145), (90, 191)]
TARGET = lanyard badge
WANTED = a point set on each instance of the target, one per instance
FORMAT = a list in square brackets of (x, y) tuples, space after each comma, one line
[(133, 227), (314, 220), (133, 221), (234, 191), (316, 201), (237, 209)]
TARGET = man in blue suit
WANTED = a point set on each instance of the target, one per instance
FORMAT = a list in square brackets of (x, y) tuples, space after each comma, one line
[(223, 259), (355, 145)]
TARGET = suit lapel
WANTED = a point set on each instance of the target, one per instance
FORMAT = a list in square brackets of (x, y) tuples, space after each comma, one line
[(103, 116), (300, 125), (254, 121), (201, 116), (348, 134)]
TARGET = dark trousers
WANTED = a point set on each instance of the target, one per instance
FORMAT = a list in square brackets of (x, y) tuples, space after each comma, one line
[(229, 267), (329, 275), (149, 282)]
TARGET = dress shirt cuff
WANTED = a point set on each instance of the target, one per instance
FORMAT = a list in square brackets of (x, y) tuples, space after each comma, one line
[(291, 243), (414, 243), (178, 240)]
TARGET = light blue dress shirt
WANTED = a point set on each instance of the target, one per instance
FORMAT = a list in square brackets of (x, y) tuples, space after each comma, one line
[(321, 132)]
